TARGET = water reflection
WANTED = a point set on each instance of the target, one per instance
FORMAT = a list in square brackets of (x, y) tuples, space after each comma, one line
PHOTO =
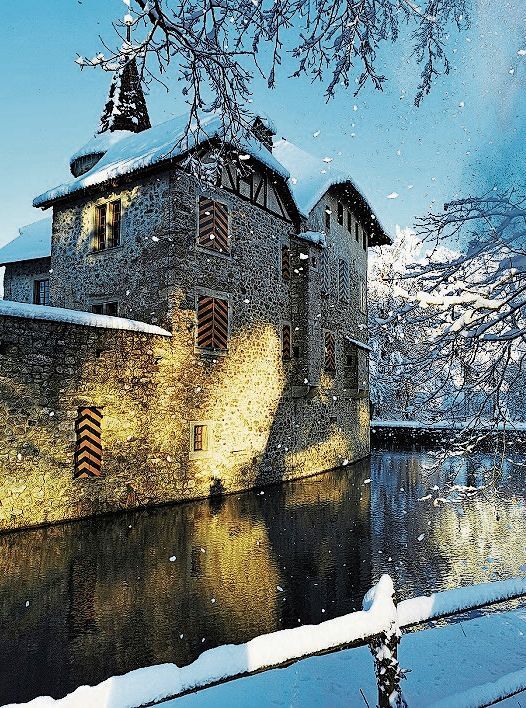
[(110, 595)]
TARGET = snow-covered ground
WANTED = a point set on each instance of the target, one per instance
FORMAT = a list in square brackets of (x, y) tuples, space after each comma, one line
[(443, 662)]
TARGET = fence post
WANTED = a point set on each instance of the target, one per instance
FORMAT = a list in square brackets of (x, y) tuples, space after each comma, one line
[(384, 646)]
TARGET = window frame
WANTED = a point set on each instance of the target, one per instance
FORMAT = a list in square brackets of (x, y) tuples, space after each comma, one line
[(105, 236), (37, 285), (207, 437)]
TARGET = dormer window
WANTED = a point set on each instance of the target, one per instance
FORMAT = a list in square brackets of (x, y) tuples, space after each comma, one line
[(107, 225)]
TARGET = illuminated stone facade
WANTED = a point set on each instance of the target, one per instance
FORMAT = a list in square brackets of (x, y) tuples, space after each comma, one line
[(285, 397)]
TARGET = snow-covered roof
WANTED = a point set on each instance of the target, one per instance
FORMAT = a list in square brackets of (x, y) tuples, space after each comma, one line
[(88, 319), (33, 241), (100, 144), (153, 146), (316, 237), (311, 177)]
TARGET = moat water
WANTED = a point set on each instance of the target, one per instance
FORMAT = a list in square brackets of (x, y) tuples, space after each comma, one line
[(83, 601)]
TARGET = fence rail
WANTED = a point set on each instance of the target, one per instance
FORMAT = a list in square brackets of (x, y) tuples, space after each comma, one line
[(378, 625)]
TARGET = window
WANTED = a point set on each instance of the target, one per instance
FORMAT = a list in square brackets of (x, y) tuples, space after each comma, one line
[(349, 222), (286, 342), (357, 231), (285, 262), (88, 451), (340, 213), (325, 272), (343, 280), (105, 308), (41, 292), (351, 366), (212, 323), (329, 361), (362, 296), (364, 239), (213, 225), (327, 217), (107, 225), (200, 438)]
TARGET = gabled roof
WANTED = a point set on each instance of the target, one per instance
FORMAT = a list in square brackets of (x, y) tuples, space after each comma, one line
[(150, 147), (308, 177), (34, 241), (311, 178)]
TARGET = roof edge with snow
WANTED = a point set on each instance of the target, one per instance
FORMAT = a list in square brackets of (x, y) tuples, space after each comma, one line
[(24, 310)]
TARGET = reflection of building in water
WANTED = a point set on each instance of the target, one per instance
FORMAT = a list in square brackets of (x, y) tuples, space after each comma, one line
[(106, 598), (427, 547)]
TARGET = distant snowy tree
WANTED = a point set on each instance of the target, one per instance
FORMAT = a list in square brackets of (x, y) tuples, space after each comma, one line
[(215, 46), (473, 305)]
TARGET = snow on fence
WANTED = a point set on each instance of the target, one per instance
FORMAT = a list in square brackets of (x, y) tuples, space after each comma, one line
[(378, 625)]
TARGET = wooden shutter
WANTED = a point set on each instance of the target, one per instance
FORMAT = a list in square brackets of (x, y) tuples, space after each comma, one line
[(100, 228), (330, 352), (325, 273), (115, 224), (213, 225), (343, 279), (286, 341), (212, 323), (88, 453), (285, 262)]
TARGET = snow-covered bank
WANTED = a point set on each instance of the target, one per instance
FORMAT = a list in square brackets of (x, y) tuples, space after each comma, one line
[(156, 683), (444, 425)]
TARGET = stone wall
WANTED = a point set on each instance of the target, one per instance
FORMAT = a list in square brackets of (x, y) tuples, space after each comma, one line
[(19, 278), (150, 389)]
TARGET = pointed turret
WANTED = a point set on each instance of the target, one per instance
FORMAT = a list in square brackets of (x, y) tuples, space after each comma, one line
[(125, 107)]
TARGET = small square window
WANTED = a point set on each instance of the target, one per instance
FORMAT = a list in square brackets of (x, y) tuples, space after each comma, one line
[(200, 438), (41, 292)]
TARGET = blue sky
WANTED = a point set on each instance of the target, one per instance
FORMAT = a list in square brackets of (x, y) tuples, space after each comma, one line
[(467, 134)]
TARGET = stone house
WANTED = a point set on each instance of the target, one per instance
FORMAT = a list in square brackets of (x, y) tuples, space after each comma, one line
[(182, 335)]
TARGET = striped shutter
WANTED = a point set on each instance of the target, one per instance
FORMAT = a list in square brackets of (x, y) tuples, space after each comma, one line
[(330, 352), (325, 273), (286, 342), (88, 453), (343, 279), (285, 262), (212, 323), (213, 225)]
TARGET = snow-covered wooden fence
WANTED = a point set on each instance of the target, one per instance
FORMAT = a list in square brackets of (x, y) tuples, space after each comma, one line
[(379, 625)]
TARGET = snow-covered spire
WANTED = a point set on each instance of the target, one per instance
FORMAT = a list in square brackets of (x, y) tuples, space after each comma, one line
[(125, 107)]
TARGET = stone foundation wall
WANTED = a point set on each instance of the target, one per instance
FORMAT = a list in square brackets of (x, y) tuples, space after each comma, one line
[(151, 389)]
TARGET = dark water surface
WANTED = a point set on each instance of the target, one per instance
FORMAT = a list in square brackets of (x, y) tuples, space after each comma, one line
[(83, 601)]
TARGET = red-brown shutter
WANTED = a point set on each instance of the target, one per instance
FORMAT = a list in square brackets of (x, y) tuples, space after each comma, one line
[(212, 323), (285, 262), (88, 453), (286, 342), (213, 225), (330, 352)]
